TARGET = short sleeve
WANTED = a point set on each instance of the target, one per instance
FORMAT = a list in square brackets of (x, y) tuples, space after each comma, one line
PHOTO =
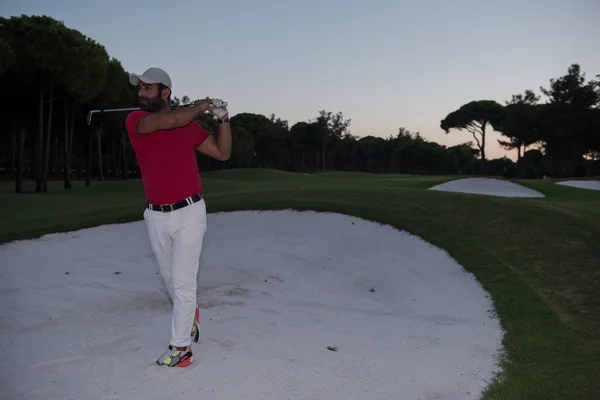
[(132, 120), (199, 133)]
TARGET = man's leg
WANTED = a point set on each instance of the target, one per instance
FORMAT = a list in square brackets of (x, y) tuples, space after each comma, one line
[(161, 244), (187, 247)]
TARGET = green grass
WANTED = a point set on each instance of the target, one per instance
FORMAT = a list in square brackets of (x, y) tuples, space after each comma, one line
[(538, 258)]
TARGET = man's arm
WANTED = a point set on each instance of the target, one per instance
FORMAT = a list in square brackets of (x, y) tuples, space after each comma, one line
[(219, 149), (171, 119)]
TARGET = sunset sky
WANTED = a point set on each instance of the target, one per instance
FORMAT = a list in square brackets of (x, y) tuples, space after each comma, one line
[(384, 64)]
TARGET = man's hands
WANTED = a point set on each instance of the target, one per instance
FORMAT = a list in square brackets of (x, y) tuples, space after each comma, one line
[(203, 105), (219, 148), (218, 108)]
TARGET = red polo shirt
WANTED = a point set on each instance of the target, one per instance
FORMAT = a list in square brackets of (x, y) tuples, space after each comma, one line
[(167, 160)]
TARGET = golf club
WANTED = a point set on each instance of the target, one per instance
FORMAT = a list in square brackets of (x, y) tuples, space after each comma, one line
[(92, 112)]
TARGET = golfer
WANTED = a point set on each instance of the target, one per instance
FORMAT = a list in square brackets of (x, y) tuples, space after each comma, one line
[(165, 142)]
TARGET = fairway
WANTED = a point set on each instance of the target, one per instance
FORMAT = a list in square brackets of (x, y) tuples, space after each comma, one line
[(536, 257)]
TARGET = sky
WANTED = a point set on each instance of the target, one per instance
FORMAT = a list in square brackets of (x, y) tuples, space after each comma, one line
[(383, 64)]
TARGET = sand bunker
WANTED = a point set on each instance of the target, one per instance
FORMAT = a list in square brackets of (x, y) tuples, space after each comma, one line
[(84, 315), (581, 184), (487, 186)]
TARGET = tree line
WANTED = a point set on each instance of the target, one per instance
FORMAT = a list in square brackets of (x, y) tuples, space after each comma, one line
[(56, 74)]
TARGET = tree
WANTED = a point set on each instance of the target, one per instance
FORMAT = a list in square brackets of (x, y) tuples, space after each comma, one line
[(592, 134), (300, 141), (516, 122), (7, 56), (566, 124), (334, 128), (115, 93), (474, 116), (8, 62), (85, 79), (242, 152), (572, 89), (44, 50), (463, 156)]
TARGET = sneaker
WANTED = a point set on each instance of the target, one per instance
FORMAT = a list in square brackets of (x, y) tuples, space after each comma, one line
[(196, 333), (176, 358)]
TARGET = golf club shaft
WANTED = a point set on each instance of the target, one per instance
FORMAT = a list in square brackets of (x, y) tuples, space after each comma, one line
[(92, 112), (105, 110)]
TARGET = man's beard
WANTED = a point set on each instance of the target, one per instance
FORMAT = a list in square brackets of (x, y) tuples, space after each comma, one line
[(153, 104)]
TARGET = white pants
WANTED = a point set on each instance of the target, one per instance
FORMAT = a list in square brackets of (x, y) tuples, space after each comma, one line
[(176, 240)]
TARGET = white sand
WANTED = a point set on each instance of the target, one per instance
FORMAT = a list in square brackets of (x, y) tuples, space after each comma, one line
[(272, 303), (581, 184), (487, 186)]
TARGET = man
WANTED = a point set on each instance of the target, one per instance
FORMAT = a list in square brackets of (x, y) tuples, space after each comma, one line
[(165, 142)]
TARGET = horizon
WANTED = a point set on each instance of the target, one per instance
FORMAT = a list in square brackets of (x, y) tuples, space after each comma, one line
[(293, 60)]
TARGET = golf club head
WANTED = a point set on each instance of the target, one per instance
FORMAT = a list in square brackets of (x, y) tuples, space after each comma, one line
[(89, 117)]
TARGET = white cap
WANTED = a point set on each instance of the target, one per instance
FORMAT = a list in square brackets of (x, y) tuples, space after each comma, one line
[(151, 75)]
